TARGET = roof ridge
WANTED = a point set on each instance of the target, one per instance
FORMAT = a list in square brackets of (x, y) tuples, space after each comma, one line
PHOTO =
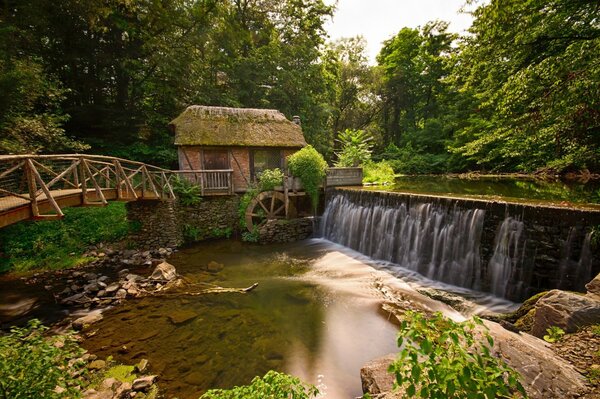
[(205, 110)]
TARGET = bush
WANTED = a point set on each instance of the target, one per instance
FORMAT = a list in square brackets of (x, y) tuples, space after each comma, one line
[(311, 168), (270, 178), (32, 366), (410, 160), (273, 385), (440, 358), (57, 244), (187, 193), (378, 173), (356, 148)]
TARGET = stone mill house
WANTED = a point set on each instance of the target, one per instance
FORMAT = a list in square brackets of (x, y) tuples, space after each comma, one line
[(224, 149)]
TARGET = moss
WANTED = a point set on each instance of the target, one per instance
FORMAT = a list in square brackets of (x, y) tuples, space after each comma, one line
[(525, 322), (525, 308)]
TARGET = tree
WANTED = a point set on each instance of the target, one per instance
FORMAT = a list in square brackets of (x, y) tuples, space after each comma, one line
[(532, 73)]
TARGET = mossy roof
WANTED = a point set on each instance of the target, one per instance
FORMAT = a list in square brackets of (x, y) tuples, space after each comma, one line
[(221, 126)]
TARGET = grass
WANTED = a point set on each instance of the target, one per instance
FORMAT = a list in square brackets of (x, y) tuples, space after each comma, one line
[(59, 244)]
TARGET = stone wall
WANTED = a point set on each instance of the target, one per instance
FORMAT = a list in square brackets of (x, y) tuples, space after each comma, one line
[(282, 230), (168, 223)]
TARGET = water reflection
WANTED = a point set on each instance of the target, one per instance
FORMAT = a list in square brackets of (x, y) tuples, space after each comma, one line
[(501, 188)]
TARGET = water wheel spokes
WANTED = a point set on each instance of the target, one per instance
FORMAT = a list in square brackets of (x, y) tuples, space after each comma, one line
[(268, 205)]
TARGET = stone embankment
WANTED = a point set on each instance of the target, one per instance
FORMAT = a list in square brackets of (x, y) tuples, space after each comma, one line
[(569, 368)]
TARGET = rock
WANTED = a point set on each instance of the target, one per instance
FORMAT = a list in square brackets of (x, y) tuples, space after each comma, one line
[(142, 366), (121, 294), (123, 390), (566, 310), (133, 290), (110, 383), (164, 271), (90, 276), (214, 267), (101, 293), (133, 277), (111, 289), (182, 316), (143, 383), (375, 377), (97, 365), (123, 272), (593, 287), (83, 322), (91, 288)]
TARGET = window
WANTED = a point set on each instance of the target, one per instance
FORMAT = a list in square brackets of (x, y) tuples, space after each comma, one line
[(215, 159), (265, 159)]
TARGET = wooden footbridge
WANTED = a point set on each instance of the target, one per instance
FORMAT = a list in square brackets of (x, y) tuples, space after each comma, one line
[(40, 186)]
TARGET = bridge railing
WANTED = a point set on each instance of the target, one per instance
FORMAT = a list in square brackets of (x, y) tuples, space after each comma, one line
[(219, 181), (27, 180)]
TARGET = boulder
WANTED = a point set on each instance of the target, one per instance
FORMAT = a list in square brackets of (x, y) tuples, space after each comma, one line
[(83, 322), (164, 271), (97, 365), (593, 287), (120, 294), (567, 310), (111, 289), (143, 383), (375, 377), (214, 267)]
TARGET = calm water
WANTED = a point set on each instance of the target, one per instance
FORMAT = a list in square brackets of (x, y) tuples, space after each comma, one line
[(506, 188), (304, 318)]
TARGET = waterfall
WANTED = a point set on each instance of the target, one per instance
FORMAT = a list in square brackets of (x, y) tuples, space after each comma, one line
[(439, 242), (507, 257)]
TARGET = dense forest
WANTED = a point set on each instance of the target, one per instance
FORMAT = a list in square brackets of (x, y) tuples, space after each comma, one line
[(519, 92)]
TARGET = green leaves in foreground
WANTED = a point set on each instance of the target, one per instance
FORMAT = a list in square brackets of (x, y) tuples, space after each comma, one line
[(35, 366), (440, 358), (273, 385)]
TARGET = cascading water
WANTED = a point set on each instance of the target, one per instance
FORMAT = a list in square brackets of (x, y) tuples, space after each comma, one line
[(443, 241), (507, 257), (439, 243)]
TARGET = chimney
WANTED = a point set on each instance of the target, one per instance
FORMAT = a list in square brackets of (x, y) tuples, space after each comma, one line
[(296, 120)]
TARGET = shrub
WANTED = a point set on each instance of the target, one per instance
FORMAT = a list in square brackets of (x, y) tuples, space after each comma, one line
[(311, 168), (378, 172), (33, 366), (270, 178), (440, 358), (272, 385), (356, 148), (187, 192)]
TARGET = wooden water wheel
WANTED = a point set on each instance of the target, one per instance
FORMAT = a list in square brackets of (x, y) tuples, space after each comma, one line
[(268, 205)]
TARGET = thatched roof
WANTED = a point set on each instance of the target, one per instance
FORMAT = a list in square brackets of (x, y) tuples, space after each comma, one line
[(220, 126)]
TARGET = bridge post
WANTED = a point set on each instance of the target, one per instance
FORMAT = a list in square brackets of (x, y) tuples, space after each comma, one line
[(118, 182), (84, 200), (35, 212)]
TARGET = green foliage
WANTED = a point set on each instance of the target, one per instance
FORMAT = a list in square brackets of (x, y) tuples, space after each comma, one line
[(190, 233), (596, 330), (356, 148), (554, 334), (187, 193), (272, 385), (217, 232), (378, 173), (57, 244), (408, 160), (245, 200), (311, 168), (32, 365), (440, 358), (270, 178), (120, 372), (251, 236)]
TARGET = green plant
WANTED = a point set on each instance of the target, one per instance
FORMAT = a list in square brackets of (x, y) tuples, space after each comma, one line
[(379, 173), (596, 330), (273, 385), (220, 233), (251, 236), (270, 178), (251, 192), (440, 358), (593, 374), (187, 192), (190, 233), (554, 334), (355, 148), (311, 168), (33, 366)]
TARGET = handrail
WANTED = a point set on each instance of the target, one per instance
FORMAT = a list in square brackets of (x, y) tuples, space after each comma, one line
[(28, 179)]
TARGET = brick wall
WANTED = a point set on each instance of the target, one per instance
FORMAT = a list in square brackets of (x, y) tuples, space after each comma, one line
[(240, 163)]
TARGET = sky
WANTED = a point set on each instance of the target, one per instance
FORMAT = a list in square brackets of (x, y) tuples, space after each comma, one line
[(379, 20)]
